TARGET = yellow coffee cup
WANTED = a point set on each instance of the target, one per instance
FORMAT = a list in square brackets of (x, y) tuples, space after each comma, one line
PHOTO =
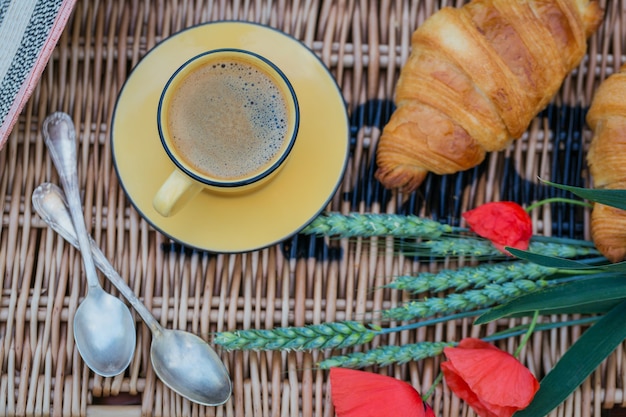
[(227, 119)]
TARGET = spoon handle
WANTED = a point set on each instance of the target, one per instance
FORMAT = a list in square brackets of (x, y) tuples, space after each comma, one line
[(49, 203), (60, 137)]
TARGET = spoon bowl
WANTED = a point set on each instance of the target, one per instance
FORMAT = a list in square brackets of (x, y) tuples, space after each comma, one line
[(107, 352), (173, 351), (104, 329), (182, 360)]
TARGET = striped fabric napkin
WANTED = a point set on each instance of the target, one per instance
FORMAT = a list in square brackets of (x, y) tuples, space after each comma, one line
[(29, 31)]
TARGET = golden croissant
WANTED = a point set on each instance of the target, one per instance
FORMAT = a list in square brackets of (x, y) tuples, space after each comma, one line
[(607, 163), (475, 79)]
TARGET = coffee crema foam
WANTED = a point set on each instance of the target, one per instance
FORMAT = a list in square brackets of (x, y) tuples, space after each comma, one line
[(228, 120)]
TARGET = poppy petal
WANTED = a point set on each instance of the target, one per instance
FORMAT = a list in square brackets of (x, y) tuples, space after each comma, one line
[(492, 381), (463, 391), (505, 223), (365, 394)]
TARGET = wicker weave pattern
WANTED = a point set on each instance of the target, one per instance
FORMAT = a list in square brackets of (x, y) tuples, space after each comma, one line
[(304, 280)]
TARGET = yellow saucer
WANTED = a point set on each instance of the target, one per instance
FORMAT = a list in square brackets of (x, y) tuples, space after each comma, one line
[(234, 223)]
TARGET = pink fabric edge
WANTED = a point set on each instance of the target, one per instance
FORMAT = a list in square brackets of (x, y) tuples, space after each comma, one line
[(31, 81)]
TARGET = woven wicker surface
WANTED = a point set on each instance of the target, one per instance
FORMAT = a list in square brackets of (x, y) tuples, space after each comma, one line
[(300, 281)]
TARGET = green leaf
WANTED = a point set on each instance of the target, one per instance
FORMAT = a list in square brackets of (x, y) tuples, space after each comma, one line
[(582, 292), (551, 261), (562, 263), (614, 198), (597, 307), (580, 360)]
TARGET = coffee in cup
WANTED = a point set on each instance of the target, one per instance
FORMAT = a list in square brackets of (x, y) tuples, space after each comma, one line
[(227, 119)]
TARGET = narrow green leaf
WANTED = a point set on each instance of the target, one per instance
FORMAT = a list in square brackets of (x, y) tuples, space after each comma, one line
[(580, 360), (562, 263), (614, 198), (583, 292), (551, 261), (596, 307), (616, 267)]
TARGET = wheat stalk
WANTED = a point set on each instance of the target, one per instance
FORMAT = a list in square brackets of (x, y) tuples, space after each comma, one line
[(432, 238)]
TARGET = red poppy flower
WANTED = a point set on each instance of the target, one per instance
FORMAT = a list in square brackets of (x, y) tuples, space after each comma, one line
[(504, 223), (491, 381), (365, 394)]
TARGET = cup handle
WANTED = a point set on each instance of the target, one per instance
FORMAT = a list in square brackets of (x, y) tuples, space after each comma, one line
[(177, 190)]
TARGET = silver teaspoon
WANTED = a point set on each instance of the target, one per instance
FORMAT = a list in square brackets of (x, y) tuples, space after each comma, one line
[(182, 360), (104, 329)]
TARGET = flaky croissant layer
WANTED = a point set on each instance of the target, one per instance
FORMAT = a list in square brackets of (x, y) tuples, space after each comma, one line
[(475, 79), (607, 163)]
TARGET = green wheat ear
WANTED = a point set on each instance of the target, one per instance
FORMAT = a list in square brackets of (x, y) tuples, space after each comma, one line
[(334, 335), (470, 276), (370, 224), (386, 355), (460, 302)]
